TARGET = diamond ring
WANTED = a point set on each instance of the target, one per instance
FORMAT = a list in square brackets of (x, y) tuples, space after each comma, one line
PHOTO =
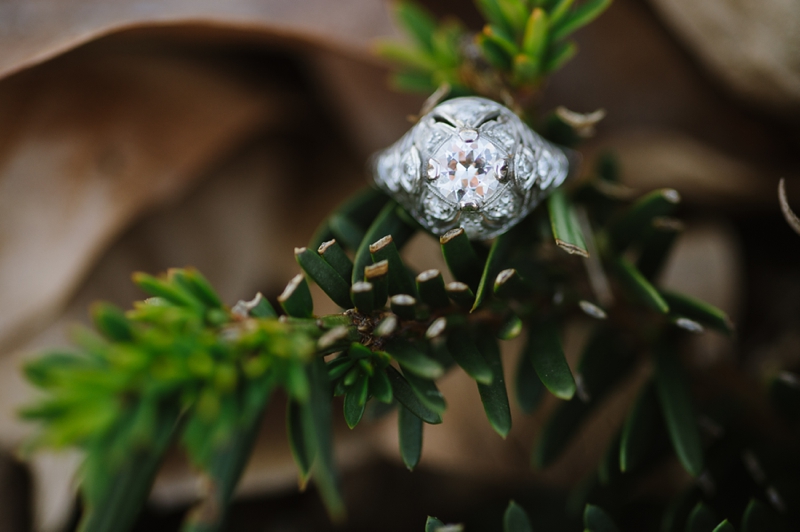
[(470, 162)]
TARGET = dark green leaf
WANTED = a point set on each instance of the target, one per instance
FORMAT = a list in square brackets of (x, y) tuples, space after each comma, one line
[(296, 382), (702, 519), (377, 275), (387, 223), (380, 387), (596, 520), (259, 307), (430, 287), (547, 355), (414, 360), (403, 306), (564, 223), (296, 298), (639, 429), (724, 526), (676, 405), (658, 241), (355, 400), (509, 284), (464, 350), (339, 388), (346, 231), (581, 16), (494, 395), (495, 263), (529, 387), (637, 286), (324, 275), (698, 311), (461, 294), (297, 441), (433, 524), (405, 396), (335, 255), (461, 258), (515, 519), (400, 281), (318, 433), (351, 376), (111, 321), (636, 221), (758, 517), (410, 434), (427, 392), (362, 294), (358, 351)]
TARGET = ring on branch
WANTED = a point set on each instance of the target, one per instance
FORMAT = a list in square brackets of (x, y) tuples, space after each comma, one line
[(472, 163)]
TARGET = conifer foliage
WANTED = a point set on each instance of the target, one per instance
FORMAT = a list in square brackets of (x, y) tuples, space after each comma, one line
[(183, 368)]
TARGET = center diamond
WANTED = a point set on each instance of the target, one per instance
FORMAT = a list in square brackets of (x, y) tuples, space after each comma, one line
[(467, 169)]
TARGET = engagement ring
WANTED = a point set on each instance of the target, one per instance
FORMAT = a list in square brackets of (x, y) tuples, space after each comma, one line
[(473, 163)]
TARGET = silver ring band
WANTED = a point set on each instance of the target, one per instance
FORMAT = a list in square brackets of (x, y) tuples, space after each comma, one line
[(473, 163)]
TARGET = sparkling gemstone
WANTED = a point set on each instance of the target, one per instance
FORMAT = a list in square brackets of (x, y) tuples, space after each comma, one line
[(467, 172)]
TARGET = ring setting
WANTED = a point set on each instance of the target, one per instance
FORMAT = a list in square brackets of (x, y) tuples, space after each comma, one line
[(470, 162)]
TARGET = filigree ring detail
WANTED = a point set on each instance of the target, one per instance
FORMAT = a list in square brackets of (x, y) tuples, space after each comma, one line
[(470, 162)]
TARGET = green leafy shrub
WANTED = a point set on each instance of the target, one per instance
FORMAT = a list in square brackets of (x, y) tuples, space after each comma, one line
[(182, 367)]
